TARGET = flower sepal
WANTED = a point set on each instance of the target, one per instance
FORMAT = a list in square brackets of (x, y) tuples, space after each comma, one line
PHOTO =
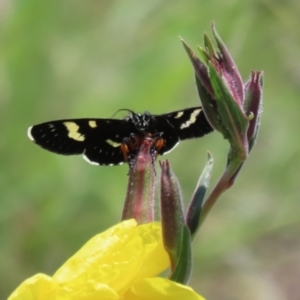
[(234, 122), (193, 217), (176, 235)]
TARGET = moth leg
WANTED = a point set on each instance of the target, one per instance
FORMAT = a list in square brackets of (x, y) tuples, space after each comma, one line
[(125, 151)]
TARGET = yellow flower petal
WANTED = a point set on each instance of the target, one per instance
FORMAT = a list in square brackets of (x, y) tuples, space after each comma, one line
[(155, 258), (104, 268), (117, 257), (38, 287), (160, 289), (89, 291), (43, 287)]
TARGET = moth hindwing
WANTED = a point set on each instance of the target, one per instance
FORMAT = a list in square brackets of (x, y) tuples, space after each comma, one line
[(115, 141)]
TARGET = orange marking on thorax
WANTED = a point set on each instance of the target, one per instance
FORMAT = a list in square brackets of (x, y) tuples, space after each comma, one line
[(133, 144)]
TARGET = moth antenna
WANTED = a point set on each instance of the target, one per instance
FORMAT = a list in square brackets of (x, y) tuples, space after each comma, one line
[(124, 109)]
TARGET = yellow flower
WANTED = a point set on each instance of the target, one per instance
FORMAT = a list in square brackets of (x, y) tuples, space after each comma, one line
[(120, 263)]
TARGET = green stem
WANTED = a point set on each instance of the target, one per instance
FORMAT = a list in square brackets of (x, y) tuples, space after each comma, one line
[(224, 183)]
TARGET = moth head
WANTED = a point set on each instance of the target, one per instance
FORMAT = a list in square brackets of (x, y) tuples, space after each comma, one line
[(141, 121)]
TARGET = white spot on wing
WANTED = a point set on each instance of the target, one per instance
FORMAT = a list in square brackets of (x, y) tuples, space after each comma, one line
[(192, 119), (29, 134), (89, 161), (73, 131), (92, 124), (179, 114), (112, 143)]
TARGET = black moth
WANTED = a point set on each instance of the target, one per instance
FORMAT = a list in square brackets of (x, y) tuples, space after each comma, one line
[(115, 141)]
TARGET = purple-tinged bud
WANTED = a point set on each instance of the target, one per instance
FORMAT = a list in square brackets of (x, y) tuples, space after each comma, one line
[(204, 88), (139, 202), (200, 67), (176, 235), (171, 208), (233, 120), (253, 105), (228, 70), (222, 95)]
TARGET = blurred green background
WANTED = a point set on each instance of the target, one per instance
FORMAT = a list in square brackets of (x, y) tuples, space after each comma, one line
[(72, 59)]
